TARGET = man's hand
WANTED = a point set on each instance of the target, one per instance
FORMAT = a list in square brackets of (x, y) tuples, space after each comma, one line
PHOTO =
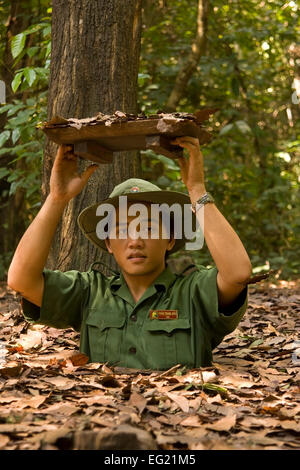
[(65, 181), (25, 274), (192, 169)]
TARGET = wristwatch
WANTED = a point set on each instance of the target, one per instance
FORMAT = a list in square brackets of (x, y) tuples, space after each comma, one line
[(207, 197)]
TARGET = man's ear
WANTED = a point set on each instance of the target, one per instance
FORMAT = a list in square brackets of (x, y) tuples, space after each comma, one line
[(107, 243)]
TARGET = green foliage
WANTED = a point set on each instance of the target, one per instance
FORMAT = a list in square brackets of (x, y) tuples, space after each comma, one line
[(27, 145), (252, 164), (26, 77), (20, 143), (22, 139)]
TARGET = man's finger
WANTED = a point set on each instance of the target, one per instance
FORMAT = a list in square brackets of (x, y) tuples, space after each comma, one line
[(70, 156), (186, 137), (88, 172), (187, 142), (192, 142), (62, 150)]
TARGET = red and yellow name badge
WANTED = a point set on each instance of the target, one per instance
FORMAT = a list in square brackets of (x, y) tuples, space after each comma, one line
[(163, 314)]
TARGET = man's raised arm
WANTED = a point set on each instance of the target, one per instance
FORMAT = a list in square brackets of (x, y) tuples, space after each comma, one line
[(226, 248), (25, 274)]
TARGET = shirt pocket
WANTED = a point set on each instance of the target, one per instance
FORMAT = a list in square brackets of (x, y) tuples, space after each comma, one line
[(105, 329), (167, 343)]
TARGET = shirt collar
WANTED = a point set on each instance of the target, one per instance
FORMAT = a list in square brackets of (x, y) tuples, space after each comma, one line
[(165, 278), (119, 286)]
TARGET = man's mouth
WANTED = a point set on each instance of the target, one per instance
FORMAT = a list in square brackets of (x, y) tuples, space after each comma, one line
[(136, 256)]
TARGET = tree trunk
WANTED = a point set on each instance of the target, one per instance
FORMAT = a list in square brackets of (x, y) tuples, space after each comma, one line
[(189, 66), (94, 68)]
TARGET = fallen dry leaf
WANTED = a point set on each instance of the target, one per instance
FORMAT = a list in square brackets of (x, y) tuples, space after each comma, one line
[(223, 424), (58, 363), (251, 421), (79, 359), (3, 441), (8, 399), (110, 381), (61, 383), (248, 399), (32, 402), (292, 425), (97, 400), (290, 413), (59, 409), (180, 400), (137, 400), (236, 381), (193, 421)]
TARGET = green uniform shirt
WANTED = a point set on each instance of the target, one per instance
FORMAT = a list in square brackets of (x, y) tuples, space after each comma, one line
[(116, 330)]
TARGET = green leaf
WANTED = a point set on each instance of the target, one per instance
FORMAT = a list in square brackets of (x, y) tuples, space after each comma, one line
[(16, 81), (13, 188), (3, 172), (33, 29), (15, 135), (189, 386), (226, 129), (13, 177), (5, 108), (4, 136), (243, 127), (5, 150), (22, 117), (14, 109), (48, 50), (18, 44), (215, 388), (255, 343), (143, 75), (31, 51), (46, 30), (30, 75), (163, 181)]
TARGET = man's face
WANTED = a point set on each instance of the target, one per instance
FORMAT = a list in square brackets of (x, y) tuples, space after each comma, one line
[(137, 254)]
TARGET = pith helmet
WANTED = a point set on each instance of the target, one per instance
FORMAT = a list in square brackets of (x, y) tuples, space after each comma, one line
[(137, 190)]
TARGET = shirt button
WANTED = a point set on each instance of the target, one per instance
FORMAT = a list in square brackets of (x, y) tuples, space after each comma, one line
[(132, 350), (133, 317)]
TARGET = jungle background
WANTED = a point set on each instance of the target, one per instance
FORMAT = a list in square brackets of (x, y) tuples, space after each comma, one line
[(77, 58), (243, 59)]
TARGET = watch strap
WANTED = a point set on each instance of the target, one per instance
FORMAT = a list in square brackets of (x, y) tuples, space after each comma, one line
[(207, 197)]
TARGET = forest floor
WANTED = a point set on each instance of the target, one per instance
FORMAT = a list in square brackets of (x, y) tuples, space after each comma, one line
[(249, 399)]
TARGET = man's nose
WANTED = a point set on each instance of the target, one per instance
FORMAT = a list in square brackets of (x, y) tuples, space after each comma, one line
[(134, 239)]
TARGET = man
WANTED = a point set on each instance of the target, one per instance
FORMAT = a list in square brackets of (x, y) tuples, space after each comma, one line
[(146, 317)]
